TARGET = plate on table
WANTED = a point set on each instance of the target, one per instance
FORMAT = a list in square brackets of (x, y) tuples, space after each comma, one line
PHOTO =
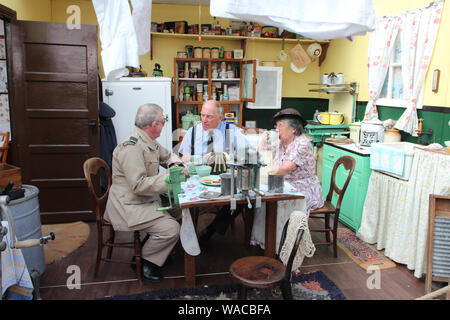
[(212, 180)]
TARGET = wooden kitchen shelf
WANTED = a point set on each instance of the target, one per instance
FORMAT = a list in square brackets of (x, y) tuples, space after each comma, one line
[(242, 39), (335, 88)]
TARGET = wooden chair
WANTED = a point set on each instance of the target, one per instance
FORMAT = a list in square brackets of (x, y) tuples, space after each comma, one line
[(264, 272), (4, 141), (92, 168), (329, 209)]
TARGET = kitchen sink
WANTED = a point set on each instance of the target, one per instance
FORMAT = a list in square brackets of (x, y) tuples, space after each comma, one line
[(393, 158)]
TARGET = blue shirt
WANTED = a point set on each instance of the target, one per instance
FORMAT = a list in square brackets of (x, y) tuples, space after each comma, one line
[(236, 139)]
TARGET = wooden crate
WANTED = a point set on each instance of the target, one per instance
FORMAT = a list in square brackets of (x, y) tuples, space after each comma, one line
[(10, 173)]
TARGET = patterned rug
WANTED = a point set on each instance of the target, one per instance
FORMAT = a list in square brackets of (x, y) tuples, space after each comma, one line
[(68, 238), (361, 252), (309, 286)]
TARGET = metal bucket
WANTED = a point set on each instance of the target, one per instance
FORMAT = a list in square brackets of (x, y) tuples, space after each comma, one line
[(27, 225)]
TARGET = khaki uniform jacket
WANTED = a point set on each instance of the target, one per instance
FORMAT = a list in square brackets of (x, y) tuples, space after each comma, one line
[(133, 198)]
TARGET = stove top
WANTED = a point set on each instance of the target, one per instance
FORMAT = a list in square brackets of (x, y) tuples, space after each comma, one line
[(318, 125)]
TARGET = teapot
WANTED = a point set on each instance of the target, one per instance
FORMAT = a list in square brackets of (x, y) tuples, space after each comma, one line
[(332, 78)]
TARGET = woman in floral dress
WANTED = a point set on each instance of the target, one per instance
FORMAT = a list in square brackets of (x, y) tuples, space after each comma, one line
[(293, 156)]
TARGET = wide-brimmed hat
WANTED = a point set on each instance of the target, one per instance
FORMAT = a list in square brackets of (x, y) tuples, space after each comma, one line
[(289, 113)]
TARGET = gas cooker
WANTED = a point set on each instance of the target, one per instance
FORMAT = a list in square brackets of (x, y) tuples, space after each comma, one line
[(320, 132)]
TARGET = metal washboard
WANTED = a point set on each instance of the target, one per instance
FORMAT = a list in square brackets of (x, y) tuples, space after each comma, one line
[(438, 260)]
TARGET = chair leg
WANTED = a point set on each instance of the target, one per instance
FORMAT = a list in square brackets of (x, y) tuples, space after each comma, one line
[(112, 238), (242, 292), (99, 249), (335, 239), (137, 254), (286, 289), (327, 226)]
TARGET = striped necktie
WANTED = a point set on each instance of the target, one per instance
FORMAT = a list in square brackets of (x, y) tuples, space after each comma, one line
[(210, 144)]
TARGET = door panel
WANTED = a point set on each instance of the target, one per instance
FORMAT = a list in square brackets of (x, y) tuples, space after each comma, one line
[(56, 114)]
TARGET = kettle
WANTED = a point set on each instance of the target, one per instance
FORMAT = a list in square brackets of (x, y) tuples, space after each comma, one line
[(157, 72)]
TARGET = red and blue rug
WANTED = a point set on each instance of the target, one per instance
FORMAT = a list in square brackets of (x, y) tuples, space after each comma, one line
[(309, 286)]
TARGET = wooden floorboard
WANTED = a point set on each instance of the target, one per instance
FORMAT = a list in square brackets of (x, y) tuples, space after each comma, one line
[(212, 268)]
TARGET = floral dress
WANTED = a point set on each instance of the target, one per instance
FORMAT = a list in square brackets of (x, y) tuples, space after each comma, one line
[(303, 177)]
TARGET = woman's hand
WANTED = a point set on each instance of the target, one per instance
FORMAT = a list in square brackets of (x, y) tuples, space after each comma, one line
[(186, 158), (264, 139)]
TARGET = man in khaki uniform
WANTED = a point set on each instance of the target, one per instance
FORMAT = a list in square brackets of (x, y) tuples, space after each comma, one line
[(134, 195)]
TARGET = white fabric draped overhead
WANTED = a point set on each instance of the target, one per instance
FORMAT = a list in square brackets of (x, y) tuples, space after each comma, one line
[(123, 36), (318, 19), (418, 31)]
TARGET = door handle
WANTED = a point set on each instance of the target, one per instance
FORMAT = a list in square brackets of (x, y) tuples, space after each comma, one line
[(92, 123), (109, 92)]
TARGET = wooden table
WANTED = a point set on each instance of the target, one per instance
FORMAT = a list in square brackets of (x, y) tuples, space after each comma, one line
[(270, 232)]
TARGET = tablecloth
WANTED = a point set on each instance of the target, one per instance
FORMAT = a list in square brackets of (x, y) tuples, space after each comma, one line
[(193, 188), (395, 212)]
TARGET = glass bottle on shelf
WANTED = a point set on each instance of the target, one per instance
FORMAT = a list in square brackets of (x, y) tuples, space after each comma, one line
[(213, 94), (225, 92)]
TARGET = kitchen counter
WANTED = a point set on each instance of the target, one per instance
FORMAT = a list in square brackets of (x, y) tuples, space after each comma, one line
[(352, 147)]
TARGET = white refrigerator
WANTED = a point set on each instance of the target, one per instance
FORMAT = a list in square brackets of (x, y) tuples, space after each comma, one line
[(126, 94)]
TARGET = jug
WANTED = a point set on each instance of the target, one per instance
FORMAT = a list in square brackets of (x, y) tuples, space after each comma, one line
[(336, 118), (324, 118)]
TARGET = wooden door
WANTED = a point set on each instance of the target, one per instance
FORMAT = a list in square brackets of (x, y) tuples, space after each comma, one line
[(55, 114)]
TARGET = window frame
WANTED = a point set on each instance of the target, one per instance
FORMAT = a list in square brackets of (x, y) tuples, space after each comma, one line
[(389, 101)]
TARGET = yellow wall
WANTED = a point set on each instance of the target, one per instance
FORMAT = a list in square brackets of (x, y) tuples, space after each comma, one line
[(294, 85), (350, 58), (36, 10)]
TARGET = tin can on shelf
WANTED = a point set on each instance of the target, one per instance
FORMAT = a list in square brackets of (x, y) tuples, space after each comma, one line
[(198, 52), (215, 53), (181, 54), (206, 53), (228, 55), (189, 50)]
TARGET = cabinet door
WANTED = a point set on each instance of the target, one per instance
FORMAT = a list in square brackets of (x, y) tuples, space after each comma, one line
[(248, 80), (268, 88)]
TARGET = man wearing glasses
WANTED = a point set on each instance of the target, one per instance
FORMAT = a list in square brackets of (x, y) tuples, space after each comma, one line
[(213, 135), (136, 185)]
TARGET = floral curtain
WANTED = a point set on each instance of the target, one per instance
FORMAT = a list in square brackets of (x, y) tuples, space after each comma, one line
[(418, 36), (380, 49)]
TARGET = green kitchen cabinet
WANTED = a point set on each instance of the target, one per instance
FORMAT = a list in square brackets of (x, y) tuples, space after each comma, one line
[(355, 195)]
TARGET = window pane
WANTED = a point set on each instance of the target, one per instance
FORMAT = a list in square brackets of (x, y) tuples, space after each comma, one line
[(397, 49), (397, 84), (384, 91)]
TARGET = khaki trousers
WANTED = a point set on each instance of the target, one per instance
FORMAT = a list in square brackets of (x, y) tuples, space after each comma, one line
[(164, 233)]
